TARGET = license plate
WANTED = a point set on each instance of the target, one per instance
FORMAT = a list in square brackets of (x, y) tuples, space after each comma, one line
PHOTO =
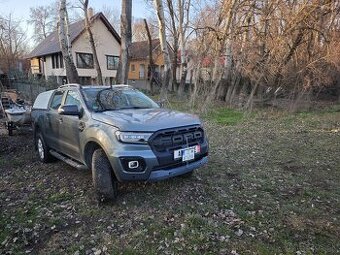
[(187, 153)]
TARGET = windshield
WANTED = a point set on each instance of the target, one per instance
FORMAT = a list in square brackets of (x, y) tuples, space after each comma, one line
[(98, 99)]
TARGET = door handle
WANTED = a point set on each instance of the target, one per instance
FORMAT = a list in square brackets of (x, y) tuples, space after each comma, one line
[(60, 120), (81, 126)]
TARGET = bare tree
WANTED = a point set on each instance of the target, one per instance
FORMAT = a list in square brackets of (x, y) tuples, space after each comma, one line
[(88, 28), (151, 62), (12, 43), (110, 14), (165, 50), (126, 35), (174, 34), (139, 32), (65, 44), (43, 20), (254, 51), (184, 13)]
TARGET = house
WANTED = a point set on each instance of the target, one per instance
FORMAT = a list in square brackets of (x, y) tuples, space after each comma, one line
[(139, 60), (139, 65), (139, 72), (46, 59)]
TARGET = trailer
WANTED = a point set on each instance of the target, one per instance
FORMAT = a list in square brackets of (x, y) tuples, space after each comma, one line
[(15, 110)]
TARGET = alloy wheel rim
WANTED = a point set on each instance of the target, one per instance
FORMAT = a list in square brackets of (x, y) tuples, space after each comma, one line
[(40, 149)]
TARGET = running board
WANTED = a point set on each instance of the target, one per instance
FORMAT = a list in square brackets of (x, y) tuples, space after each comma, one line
[(68, 160)]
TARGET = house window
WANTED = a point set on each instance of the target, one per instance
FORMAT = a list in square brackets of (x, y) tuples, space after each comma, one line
[(84, 60), (112, 62), (133, 68), (57, 61)]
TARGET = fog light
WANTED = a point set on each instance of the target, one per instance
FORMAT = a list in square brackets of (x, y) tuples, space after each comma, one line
[(133, 164)]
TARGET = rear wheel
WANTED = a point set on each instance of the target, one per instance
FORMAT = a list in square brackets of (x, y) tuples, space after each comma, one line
[(104, 181), (42, 149)]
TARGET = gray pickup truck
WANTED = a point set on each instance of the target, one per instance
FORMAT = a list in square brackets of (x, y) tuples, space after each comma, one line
[(117, 132)]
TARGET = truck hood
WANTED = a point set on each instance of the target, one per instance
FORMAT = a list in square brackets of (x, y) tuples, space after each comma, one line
[(145, 120)]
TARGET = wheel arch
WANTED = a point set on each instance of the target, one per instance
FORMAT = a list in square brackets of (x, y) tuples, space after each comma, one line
[(36, 131), (89, 148)]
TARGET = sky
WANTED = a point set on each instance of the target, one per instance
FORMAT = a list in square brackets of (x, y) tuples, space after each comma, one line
[(20, 9)]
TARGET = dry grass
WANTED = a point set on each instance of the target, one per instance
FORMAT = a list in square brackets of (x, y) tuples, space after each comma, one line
[(271, 187)]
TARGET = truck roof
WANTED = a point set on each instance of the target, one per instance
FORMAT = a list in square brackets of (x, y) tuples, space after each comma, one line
[(95, 86)]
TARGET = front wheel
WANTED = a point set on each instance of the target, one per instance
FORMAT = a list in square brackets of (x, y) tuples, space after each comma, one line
[(104, 181), (42, 149)]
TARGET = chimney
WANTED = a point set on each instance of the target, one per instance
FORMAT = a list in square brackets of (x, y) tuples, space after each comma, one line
[(90, 12)]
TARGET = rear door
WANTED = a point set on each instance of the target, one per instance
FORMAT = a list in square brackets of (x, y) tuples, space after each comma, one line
[(52, 131)]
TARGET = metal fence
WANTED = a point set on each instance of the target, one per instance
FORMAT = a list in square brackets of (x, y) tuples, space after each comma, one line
[(29, 90)]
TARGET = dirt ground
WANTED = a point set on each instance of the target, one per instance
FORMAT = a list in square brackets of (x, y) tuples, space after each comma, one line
[(271, 187)]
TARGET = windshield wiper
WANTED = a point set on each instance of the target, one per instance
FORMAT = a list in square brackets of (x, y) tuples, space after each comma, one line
[(99, 101), (133, 107)]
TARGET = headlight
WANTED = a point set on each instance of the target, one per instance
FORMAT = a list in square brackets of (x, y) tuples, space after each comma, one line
[(130, 137)]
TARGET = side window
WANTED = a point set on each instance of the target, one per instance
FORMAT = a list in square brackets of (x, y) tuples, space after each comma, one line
[(72, 98), (56, 100)]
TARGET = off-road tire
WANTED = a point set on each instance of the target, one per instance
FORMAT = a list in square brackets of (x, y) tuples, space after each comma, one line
[(104, 181), (42, 149)]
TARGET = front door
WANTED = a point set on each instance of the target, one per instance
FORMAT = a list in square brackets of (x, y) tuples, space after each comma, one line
[(72, 127), (141, 71)]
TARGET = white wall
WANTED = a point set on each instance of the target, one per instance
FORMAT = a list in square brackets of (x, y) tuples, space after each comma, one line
[(106, 44)]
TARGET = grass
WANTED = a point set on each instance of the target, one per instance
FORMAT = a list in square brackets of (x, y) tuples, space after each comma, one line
[(271, 187), (227, 116)]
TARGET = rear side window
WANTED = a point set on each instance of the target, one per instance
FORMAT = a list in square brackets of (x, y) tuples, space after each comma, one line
[(56, 100), (41, 102)]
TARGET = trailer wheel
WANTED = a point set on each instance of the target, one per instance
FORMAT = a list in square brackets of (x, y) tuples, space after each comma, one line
[(10, 128)]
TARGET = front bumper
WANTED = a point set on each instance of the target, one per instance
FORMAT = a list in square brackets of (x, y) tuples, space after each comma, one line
[(159, 175), (153, 171)]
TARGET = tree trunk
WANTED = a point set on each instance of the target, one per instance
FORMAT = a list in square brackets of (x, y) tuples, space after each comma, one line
[(217, 72), (167, 63), (92, 43), (195, 85), (151, 63), (172, 86), (65, 44), (126, 35), (182, 30)]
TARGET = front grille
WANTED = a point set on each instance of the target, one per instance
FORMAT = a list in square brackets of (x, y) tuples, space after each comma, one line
[(164, 142), (169, 140)]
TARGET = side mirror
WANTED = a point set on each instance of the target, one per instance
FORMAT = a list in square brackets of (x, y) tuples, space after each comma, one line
[(161, 103), (72, 110)]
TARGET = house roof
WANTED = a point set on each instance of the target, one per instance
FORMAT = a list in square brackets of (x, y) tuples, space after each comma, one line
[(51, 44), (140, 50)]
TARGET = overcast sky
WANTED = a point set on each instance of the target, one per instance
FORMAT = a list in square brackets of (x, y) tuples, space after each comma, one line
[(20, 8)]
